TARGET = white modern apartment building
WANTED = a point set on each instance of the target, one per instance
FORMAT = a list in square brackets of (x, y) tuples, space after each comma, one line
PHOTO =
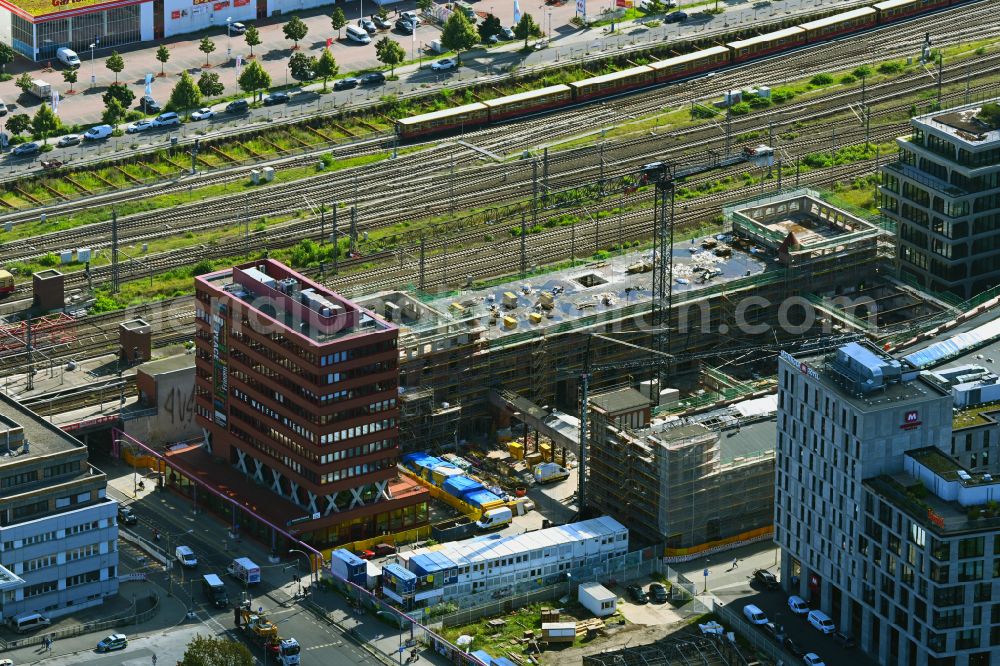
[(878, 525), (58, 529)]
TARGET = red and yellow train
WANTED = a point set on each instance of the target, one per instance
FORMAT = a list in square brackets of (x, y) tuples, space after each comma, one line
[(470, 116), (6, 283)]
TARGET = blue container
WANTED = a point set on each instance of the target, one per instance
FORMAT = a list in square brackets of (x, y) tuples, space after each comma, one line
[(460, 486)]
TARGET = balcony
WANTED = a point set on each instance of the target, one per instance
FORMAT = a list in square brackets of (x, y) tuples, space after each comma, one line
[(936, 184)]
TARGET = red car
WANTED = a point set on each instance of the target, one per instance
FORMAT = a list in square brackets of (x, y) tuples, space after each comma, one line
[(366, 554)]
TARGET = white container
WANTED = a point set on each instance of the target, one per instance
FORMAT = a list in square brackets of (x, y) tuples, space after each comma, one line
[(66, 256), (255, 176), (269, 174), (83, 254), (764, 91), (598, 599)]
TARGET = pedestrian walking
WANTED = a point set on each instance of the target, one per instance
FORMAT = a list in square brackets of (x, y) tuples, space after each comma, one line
[(154, 659), (736, 563)]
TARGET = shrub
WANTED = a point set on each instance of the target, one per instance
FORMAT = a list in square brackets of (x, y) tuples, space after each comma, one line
[(701, 111), (740, 109), (49, 260), (782, 95), (822, 79), (758, 102), (847, 79), (891, 67)]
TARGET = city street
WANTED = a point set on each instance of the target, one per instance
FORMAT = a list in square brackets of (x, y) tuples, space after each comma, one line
[(567, 42)]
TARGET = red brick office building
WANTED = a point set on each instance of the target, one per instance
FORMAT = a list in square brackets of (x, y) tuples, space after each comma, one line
[(296, 390)]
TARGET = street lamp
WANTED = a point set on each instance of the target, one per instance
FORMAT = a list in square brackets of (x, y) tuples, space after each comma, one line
[(229, 38), (93, 75), (308, 563)]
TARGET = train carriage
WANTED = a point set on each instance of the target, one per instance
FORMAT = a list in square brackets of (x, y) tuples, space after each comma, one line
[(839, 24), (771, 42), (458, 118), (529, 102), (6, 282), (894, 10), (690, 63), (609, 84)]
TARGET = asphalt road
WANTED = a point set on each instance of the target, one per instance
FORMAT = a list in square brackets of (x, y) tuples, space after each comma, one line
[(207, 536)]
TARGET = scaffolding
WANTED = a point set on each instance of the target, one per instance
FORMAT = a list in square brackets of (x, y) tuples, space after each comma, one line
[(47, 331)]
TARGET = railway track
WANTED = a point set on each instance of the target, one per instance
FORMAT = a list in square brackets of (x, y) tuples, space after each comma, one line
[(339, 186)]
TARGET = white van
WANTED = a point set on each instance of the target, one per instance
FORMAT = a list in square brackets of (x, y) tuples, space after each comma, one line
[(186, 557), (821, 622), (495, 519), (754, 614), (357, 34), (22, 624), (68, 57)]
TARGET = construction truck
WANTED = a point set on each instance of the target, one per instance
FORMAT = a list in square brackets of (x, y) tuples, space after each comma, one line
[(261, 631)]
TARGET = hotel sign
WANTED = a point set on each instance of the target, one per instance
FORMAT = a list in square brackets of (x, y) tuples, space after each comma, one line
[(803, 367)]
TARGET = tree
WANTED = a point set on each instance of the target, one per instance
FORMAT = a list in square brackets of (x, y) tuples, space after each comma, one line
[(656, 7), (210, 85), (425, 5), (115, 63), (862, 72), (206, 47), (210, 651), (6, 56), (489, 27), (45, 122), (252, 37), (185, 95), (120, 92), (24, 82), (389, 52), (302, 66), (458, 34), (382, 13), (163, 55), (18, 124), (338, 20), (326, 67), (295, 30), (69, 76), (526, 28), (113, 112), (254, 78)]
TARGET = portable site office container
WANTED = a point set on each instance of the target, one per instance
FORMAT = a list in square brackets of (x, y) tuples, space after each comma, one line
[(348, 566), (598, 599), (559, 632)]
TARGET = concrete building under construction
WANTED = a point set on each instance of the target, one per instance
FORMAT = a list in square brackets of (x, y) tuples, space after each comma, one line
[(531, 336), (688, 484)]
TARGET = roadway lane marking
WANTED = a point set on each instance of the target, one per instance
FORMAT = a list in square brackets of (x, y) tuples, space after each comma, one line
[(326, 645)]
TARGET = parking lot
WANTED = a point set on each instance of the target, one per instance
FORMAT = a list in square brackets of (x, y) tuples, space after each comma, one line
[(774, 603)]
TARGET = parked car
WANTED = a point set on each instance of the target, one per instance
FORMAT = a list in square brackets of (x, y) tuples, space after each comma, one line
[(3, 108), (676, 17), (444, 64), (844, 638), (405, 27), (139, 126), (754, 614), (168, 119), (798, 605), (657, 593), (68, 57), (812, 659), (69, 140), (346, 84), (113, 642), (237, 28), (766, 578), (238, 106), (98, 132), (276, 98), (770, 628), (792, 647), (204, 113), (383, 549), (25, 149), (410, 17), (366, 554), (367, 25), (507, 34), (381, 23), (127, 515), (821, 622), (372, 78), (149, 105), (637, 594)]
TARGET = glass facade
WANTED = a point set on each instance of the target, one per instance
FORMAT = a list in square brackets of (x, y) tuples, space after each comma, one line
[(114, 27)]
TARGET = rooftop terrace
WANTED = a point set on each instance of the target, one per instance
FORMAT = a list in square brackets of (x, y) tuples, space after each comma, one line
[(963, 124)]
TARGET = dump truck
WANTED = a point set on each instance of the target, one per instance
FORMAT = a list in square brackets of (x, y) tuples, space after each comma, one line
[(260, 631)]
